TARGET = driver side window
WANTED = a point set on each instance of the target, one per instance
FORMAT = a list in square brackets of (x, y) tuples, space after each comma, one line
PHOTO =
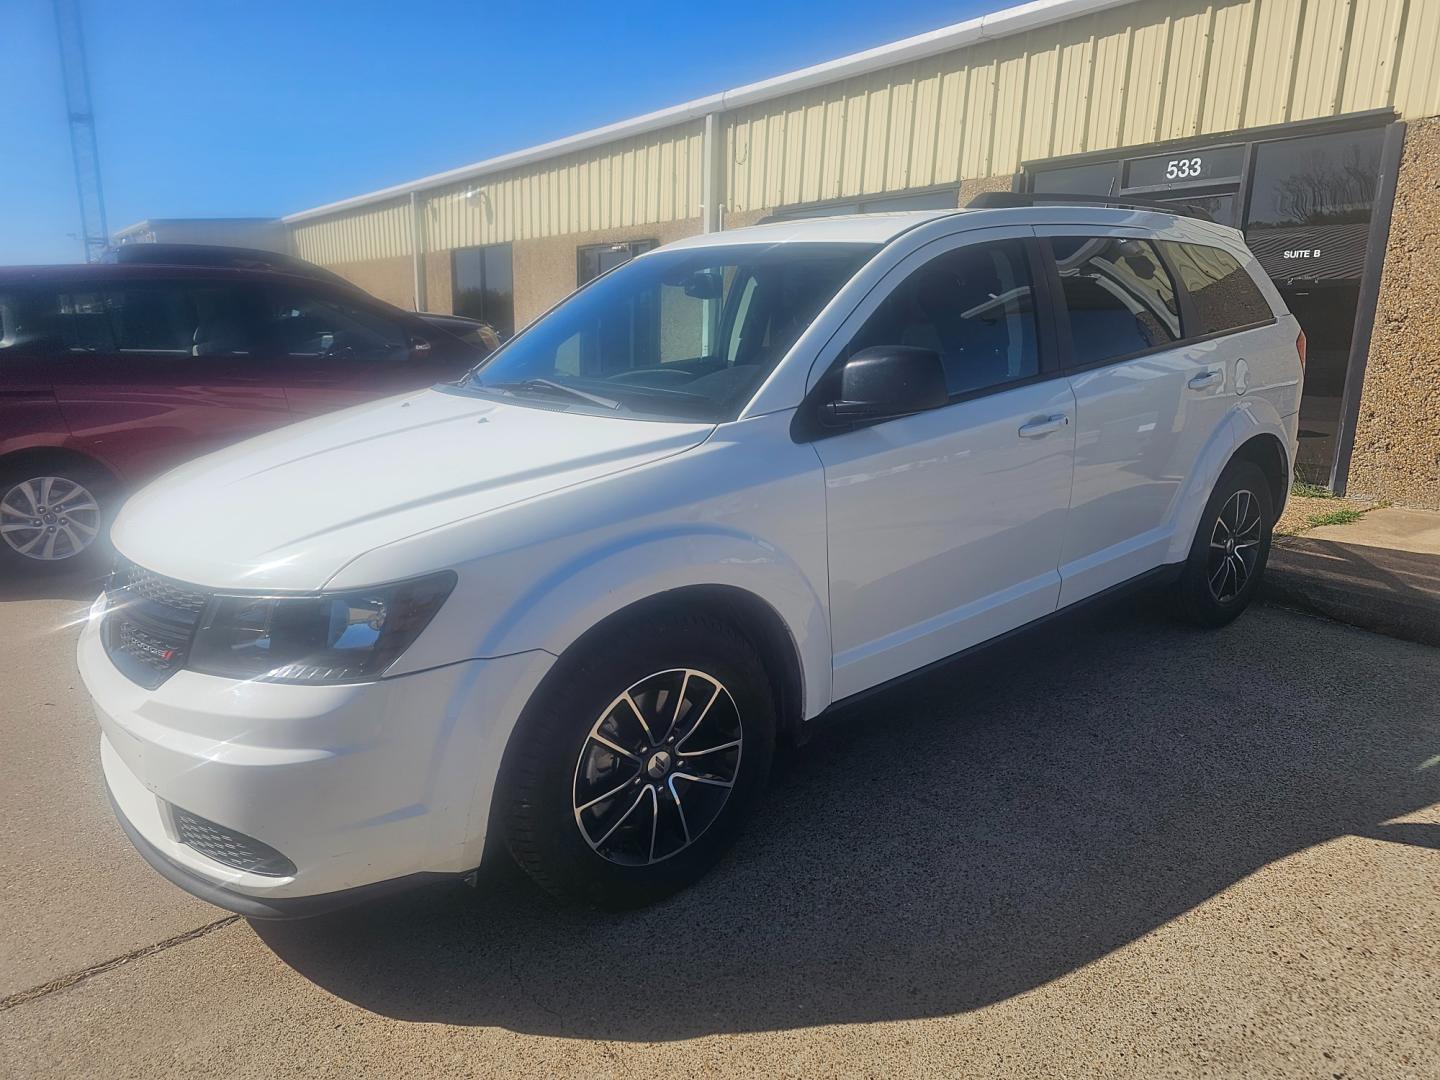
[(317, 326), (975, 306)]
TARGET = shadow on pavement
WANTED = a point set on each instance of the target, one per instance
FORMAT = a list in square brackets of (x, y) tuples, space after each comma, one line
[(1391, 592), (948, 844), (45, 583)]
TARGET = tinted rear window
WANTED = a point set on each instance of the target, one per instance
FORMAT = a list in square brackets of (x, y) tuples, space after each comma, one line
[(1118, 294), (9, 318), (24, 324), (169, 319), (1225, 296)]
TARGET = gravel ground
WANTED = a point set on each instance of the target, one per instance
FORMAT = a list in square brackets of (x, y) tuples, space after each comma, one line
[(1116, 848), (1299, 510)]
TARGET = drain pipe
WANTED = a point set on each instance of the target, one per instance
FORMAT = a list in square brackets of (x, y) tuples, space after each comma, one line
[(417, 249)]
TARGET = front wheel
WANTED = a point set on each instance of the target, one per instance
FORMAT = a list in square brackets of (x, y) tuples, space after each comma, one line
[(1231, 546), (52, 515), (637, 763)]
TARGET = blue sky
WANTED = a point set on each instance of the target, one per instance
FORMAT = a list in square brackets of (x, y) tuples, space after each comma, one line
[(229, 108)]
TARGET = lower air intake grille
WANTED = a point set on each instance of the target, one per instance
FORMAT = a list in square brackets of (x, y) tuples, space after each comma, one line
[(229, 847)]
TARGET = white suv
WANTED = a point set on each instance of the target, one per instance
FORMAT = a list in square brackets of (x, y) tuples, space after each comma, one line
[(568, 606)]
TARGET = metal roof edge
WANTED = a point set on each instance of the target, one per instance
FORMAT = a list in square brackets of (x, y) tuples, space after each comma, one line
[(1004, 23)]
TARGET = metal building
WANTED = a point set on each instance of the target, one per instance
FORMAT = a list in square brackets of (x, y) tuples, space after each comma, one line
[(1314, 125)]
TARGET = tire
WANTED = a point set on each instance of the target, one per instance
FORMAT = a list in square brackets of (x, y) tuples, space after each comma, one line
[(54, 516), (1231, 547), (623, 829)]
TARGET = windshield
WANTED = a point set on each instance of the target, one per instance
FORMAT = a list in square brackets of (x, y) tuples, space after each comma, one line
[(682, 335)]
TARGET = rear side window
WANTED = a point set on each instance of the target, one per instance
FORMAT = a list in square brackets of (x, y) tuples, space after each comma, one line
[(1225, 296), (1119, 296), (177, 320), (9, 319), (150, 318)]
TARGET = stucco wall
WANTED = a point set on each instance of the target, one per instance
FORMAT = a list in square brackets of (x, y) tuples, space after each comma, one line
[(972, 187), (392, 279), (1397, 436), (439, 293), (545, 267)]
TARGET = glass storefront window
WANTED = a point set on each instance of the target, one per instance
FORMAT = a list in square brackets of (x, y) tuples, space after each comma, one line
[(1100, 178), (484, 286), (592, 260), (1218, 208), (1321, 180), (1310, 205)]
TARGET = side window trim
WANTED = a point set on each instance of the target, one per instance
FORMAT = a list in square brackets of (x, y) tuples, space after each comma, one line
[(1189, 316), (1048, 342)]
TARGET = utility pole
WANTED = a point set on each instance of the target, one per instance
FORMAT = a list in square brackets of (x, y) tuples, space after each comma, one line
[(74, 72)]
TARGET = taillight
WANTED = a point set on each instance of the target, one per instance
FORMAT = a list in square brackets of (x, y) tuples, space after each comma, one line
[(1300, 348)]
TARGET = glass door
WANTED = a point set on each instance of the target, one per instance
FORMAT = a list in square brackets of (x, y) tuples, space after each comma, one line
[(1309, 225)]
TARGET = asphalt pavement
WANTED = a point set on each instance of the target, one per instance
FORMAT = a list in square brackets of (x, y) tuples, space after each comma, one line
[(1120, 847)]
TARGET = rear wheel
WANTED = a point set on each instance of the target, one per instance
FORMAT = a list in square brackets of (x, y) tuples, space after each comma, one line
[(638, 762), (1231, 547), (53, 515)]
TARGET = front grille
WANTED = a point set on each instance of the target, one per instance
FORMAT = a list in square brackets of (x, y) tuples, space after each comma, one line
[(142, 584), (149, 621), (229, 847)]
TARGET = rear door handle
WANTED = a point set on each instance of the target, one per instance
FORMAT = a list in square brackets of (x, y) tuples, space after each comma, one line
[(1043, 425), (1206, 378)]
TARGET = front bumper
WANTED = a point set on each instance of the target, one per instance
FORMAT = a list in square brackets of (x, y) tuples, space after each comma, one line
[(363, 787), (278, 907)]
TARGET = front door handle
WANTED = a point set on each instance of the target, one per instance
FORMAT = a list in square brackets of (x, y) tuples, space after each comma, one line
[(1043, 425), (1206, 378)]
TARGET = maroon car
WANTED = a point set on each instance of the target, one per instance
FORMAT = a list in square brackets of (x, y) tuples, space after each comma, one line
[(112, 374)]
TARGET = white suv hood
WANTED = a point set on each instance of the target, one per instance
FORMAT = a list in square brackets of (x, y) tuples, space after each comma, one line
[(289, 509)]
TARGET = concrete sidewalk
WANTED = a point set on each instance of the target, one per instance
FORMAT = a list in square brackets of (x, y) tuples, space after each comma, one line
[(1381, 573)]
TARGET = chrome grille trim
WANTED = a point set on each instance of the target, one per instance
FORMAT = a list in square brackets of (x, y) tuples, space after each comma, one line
[(140, 584)]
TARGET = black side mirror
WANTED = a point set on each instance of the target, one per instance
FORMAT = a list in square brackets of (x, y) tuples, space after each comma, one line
[(887, 381)]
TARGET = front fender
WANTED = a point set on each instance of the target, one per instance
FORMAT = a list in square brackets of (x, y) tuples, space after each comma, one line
[(577, 595)]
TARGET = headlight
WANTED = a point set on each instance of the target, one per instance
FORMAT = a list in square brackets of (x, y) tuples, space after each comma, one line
[(328, 638)]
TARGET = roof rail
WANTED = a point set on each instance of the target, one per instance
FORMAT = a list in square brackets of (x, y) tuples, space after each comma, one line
[(996, 200), (221, 256)]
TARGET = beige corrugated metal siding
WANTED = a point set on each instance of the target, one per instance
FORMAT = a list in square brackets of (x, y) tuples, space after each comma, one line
[(641, 181), (1128, 76), (1142, 73), (372, 232)]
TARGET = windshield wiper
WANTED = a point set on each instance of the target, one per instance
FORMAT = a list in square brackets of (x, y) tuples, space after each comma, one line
[(551, 385)]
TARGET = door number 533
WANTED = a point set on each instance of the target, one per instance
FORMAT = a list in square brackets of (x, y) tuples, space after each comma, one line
[(1182, 168)]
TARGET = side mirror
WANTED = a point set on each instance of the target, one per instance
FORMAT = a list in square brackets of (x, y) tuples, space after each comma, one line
[(887, 381)]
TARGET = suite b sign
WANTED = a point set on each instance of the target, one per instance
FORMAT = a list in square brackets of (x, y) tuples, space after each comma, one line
[(1204, 166)]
